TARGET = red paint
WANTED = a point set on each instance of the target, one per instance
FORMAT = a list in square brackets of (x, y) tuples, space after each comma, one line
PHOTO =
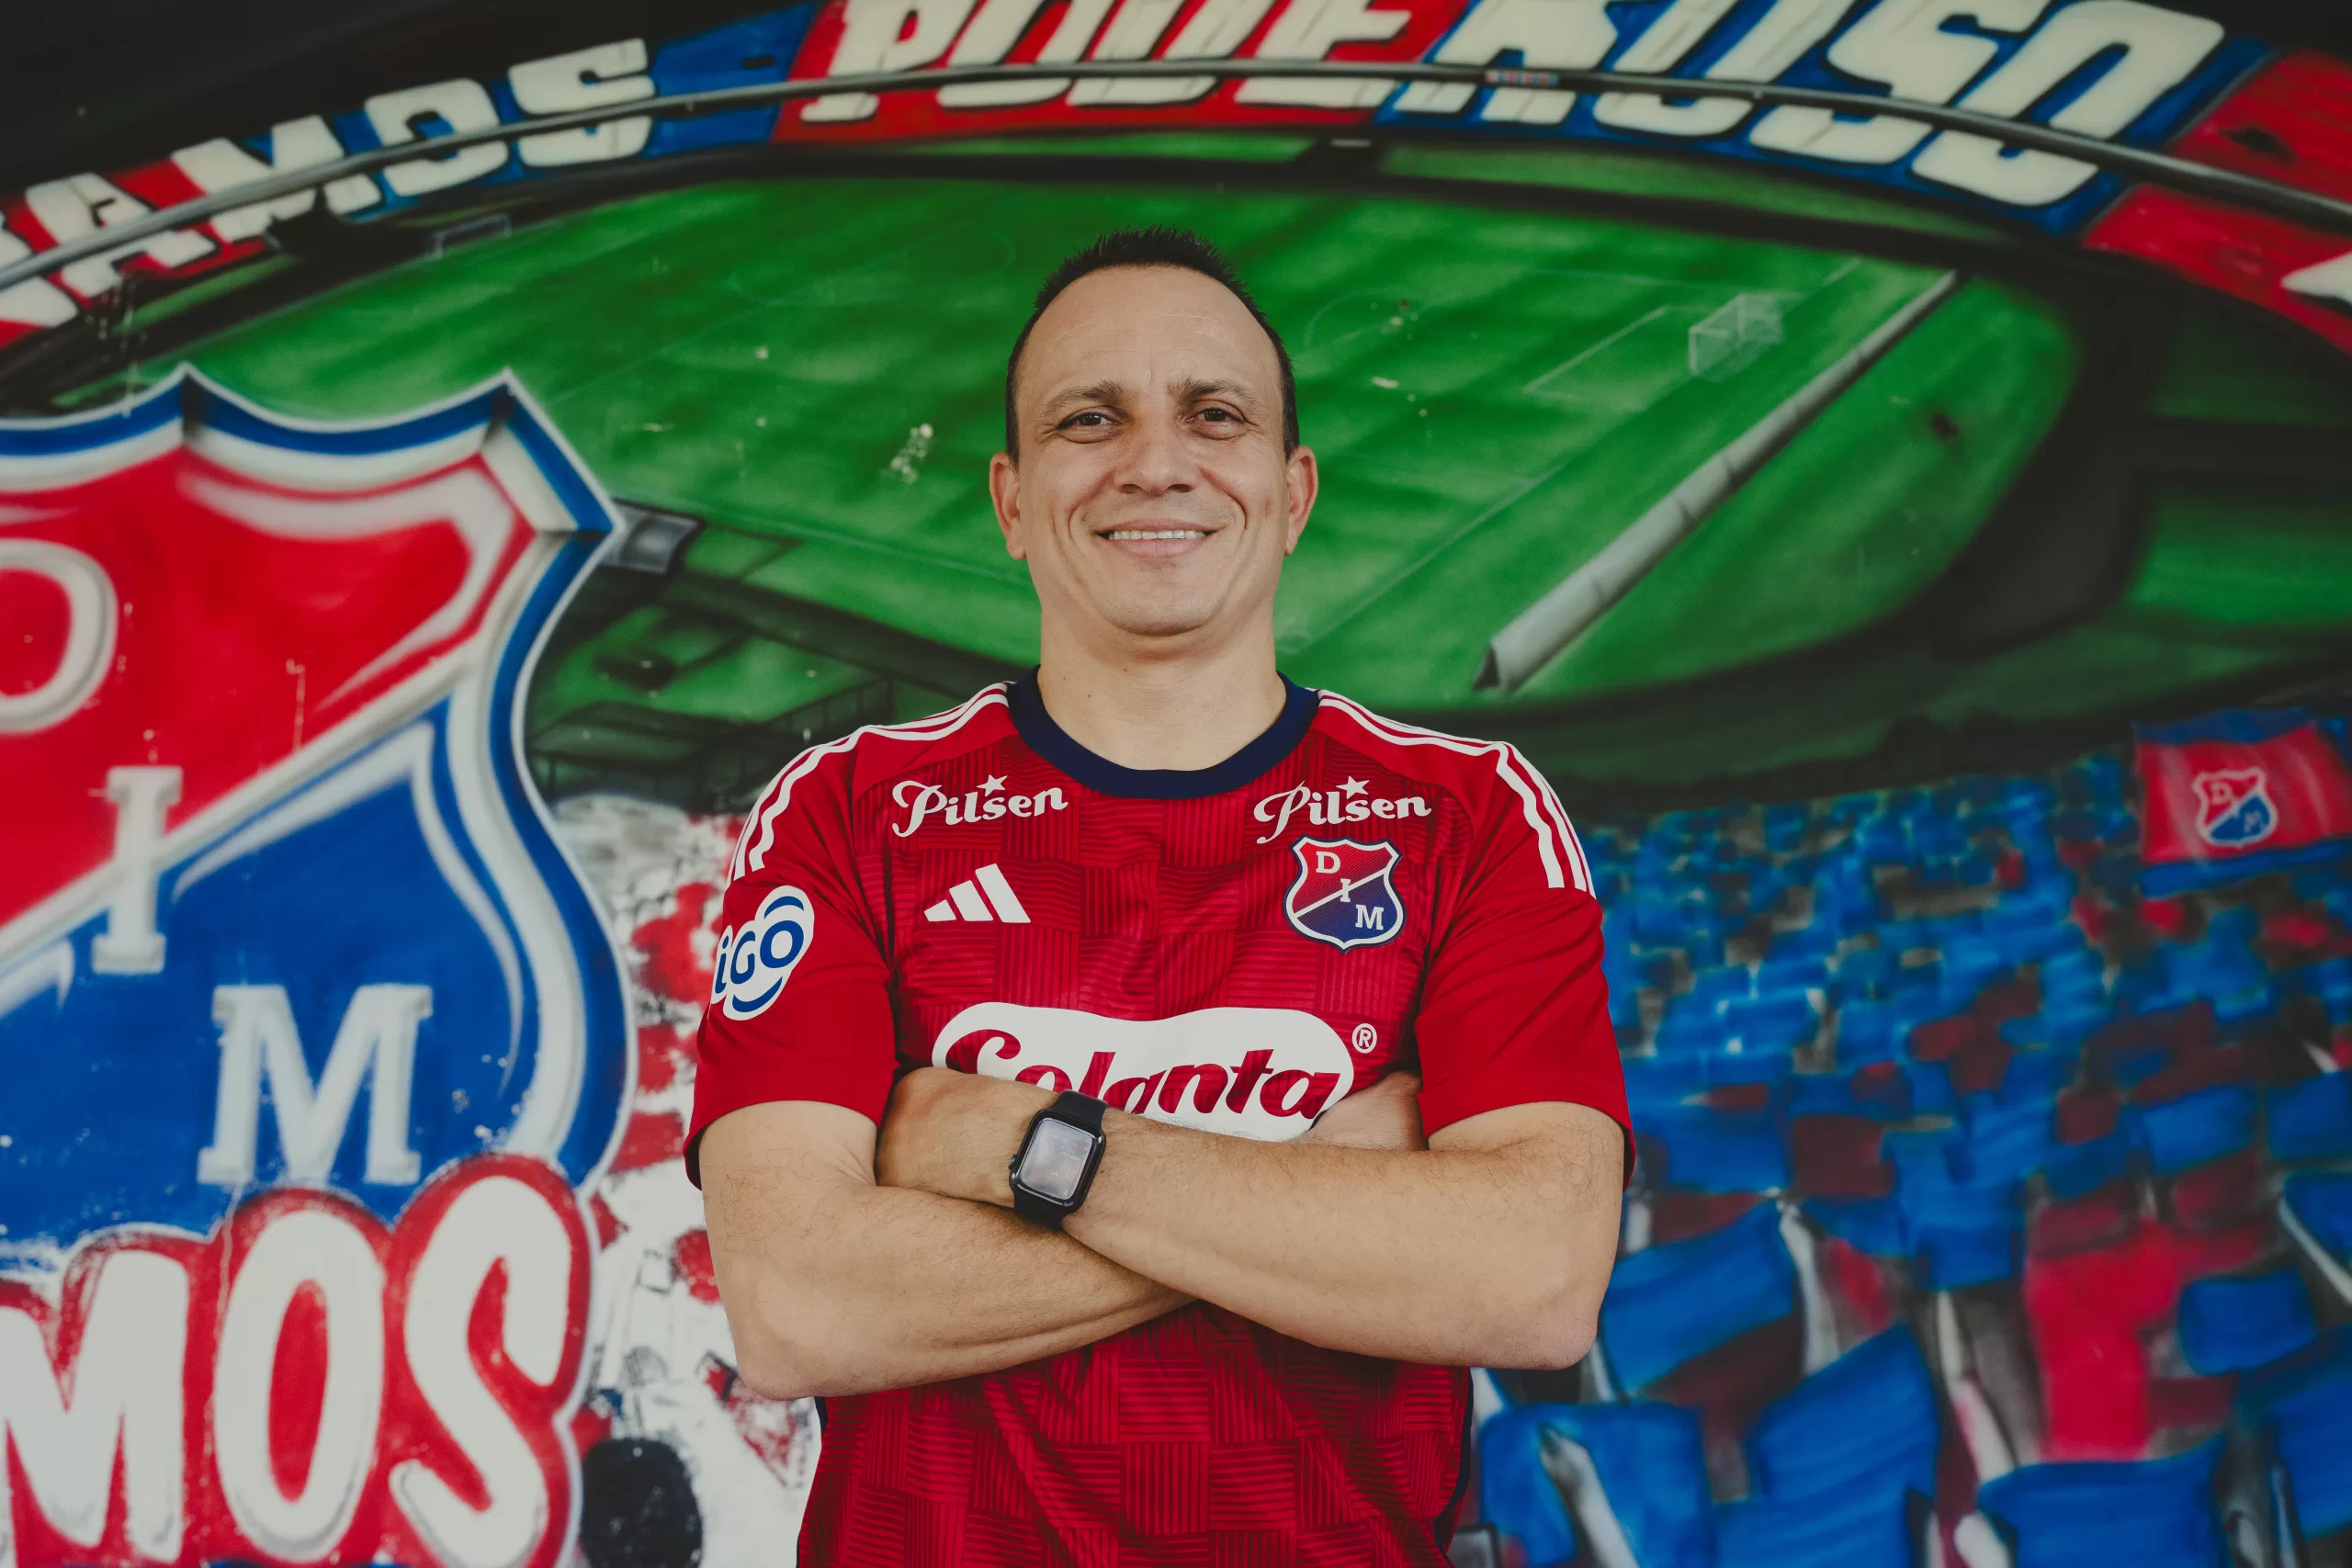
[(298, 1389), (653, 1137), (1855, 1277), (2092, 1312), (34, 620), (691, 1257), (1838, 1156), (678, 948), (234, 644)]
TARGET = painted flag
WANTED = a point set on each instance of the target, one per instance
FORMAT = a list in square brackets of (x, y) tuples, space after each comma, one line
[(2236, 795)]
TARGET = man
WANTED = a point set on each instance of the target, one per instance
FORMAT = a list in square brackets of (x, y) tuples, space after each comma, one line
[(1152, 944)]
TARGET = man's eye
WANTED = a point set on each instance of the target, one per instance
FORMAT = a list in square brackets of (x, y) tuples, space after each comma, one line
[(1092, 419)]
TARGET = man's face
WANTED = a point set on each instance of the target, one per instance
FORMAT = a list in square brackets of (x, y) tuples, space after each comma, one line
[(1152, 497)]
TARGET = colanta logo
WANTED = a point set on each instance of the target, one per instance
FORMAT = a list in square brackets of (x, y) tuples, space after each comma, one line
[(1253, 1072), (989, 803)]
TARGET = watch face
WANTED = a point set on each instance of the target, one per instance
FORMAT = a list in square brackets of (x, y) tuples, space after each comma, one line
[(1055, 1161)]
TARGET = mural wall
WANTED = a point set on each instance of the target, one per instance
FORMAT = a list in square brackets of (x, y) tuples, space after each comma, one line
[(1924, 566)]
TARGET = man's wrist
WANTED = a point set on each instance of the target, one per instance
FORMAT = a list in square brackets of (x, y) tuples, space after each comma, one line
[(1007, 1113)]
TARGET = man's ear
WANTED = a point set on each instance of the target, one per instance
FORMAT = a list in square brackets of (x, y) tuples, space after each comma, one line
[(1303, 479), (1004, 493)]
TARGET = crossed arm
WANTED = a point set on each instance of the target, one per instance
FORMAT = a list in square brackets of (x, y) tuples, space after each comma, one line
[(850, 1262)]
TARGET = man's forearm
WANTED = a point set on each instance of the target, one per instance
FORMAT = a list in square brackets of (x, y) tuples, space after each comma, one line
[(1493, 1256), (1491, 1248), (833, 1285)]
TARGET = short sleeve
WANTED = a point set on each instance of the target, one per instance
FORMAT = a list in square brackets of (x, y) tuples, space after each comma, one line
[(1514, 1009), (800, 1000)]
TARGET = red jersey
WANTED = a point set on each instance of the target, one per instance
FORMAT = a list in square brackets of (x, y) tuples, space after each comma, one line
[(1234, 948)]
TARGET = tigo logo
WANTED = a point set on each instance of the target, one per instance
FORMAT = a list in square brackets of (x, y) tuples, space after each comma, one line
[(987, 896)]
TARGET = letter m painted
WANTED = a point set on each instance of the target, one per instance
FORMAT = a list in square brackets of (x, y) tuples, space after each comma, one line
[(1375, 916), (258, 1037)]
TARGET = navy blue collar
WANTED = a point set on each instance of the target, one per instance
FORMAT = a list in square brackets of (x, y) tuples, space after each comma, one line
[(1103, 776)]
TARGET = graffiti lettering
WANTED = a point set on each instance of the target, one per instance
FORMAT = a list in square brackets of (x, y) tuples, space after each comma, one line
[(414, 1414)]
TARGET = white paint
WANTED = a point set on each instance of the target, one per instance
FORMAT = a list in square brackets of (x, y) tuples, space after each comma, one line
[(119, 1403), (307, 1247), (2323, 280), (583, 79), (497, 1221), (258, 1035), (221, 164), (1781, 37), (1560, 35), (1135, 32), (49, 969), (460, 103), (81, 205), (131, 944), (886, 35), (35, 302), (1906, 45), (1311, 30), (91, 617), (997, 27), (2160, 49)]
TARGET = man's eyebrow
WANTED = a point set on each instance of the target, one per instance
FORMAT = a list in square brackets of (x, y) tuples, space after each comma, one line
[(1199, 390), (1097, 392)]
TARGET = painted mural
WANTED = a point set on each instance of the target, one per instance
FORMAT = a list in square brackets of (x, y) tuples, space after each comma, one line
[(1922, 563)]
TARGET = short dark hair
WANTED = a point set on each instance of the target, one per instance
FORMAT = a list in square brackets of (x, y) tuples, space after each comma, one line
[(1158, 245)]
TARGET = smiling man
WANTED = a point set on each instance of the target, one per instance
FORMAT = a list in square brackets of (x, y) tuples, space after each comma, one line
[(1239, 1059)]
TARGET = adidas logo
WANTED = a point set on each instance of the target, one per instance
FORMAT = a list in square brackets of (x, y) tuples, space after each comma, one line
[(974, 900)]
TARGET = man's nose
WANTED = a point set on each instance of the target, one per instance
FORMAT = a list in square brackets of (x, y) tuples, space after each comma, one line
[(1156, 459)]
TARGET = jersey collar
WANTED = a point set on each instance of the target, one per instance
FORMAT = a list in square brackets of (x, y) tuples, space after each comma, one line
[(1049, 740)]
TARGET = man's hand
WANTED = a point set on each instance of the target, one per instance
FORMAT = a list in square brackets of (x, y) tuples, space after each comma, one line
[(1386, 1116)]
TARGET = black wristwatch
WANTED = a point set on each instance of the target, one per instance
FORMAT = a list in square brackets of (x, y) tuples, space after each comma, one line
[(1056, 1160)]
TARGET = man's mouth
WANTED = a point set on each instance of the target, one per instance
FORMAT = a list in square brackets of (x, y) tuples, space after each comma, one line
[(1140, 535)]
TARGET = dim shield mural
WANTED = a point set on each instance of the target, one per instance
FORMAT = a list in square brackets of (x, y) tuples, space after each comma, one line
[(1922, 561)]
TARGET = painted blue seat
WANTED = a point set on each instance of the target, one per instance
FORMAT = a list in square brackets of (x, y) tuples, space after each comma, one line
[(2311, 1120), (2009, 1143), (2236, 1325), (1776, 1022), (2077, 1170), (1792, 972), (2323, 1203), (1866, 972), (2304, 1403), (1714, 1150), (2196, 1127), (2151, 1514), (1968, 1228), (1668, 1303), (1647, 1456), (1865, 1032), (1842, 1466)]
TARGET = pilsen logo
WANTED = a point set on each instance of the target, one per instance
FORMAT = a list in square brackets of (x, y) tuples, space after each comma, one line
[(990, 801), (1327, 808), (1256, 1072)]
